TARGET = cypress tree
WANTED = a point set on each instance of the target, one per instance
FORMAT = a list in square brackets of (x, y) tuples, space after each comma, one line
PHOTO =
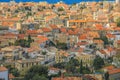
[(81, 67)]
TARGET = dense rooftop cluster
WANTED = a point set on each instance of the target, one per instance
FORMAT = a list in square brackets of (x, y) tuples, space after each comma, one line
[(71, 40)]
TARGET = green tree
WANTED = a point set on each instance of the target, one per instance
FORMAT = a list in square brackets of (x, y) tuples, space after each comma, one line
[(29, 41), (105, 39), (106, 76), (37, 77), (16, 43), (70, 68), (98, 63), (44, 53), (62, 46), (75, 62), (61, 9), (81, 67), (60, 65), (37, 70), (118, 22), (86, 70), (13, 70)]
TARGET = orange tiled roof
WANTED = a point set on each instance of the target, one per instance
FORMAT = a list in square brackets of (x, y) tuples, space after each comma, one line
[(118, 41), (87, 29), (8, 24), (63, 30), (62, 5), (71, 32), (82, 43), (21, 36), (46, 29), (109, 67), (63, 53), (83, 37), (99, 26), (42, 39), (77, 20), (110, 49), (39, 31), (102, 52), (53, 26), (31, 31), (93, 34), (98, 41), (73, 26), (110, 35), (10, 19), (114, 71), (117, 28), (3, 68)]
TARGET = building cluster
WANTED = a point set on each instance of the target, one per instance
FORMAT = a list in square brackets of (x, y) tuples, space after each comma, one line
[(59, 32)]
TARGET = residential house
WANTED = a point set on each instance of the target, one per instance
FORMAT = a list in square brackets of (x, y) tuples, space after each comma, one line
[(93, 77), (113, 72), (33, 51), (106, 53), (78, 23), (62, 56), (24, 65), (86, 58), (46, 31), (11, 37), (83, 38), (99, 43), (12, 52), (117, 44), (61, 37), (4, 75), (42, 41), (56, 21), (49, 58), (116, 60), (116, 32), (110, 37), (33, 33), (53, 71), (3, 42)]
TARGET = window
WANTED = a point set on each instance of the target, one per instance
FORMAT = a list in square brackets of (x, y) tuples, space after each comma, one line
[(22, 65)]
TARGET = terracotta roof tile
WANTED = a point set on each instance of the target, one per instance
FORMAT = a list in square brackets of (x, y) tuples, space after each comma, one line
[(21, 36), (110, 36), (114, 71), (83, 37), (63, 30), (53, 26), (31, 31), (46, 29), (109, 67), (98, 41), (3, 68)]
